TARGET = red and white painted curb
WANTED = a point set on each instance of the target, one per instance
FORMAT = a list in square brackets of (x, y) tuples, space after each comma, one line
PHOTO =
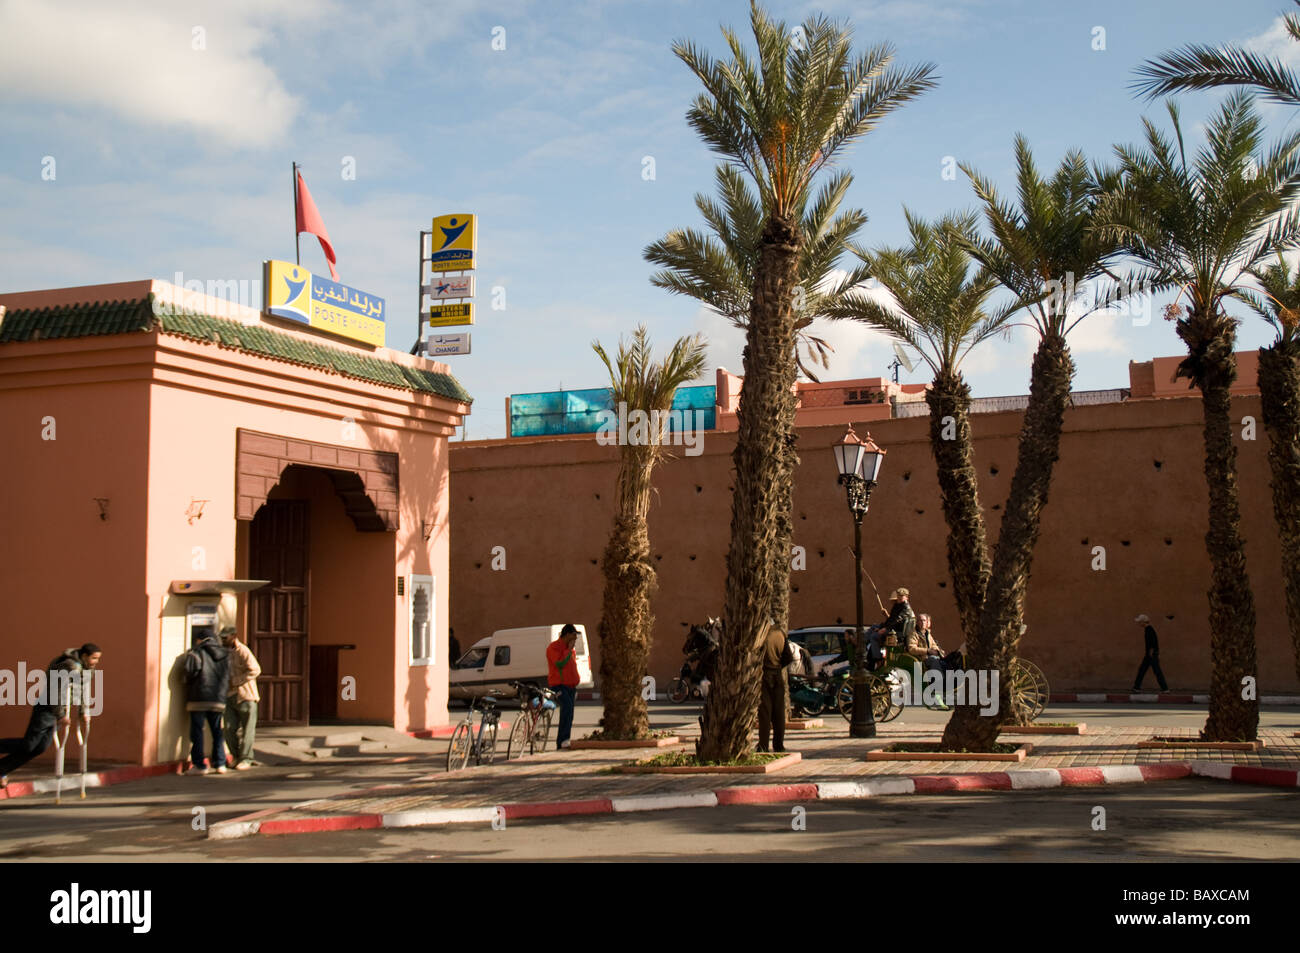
[(97, 779), (884, 786), (1158, 698)]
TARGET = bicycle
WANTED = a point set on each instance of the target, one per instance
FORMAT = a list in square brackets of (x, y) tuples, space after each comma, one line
[(465, 744), (532, 728)]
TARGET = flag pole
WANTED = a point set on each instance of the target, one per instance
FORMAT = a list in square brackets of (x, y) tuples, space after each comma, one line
[(297, 254)]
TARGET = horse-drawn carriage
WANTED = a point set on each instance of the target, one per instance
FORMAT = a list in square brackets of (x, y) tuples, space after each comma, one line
[(899, 680), (895, 680)]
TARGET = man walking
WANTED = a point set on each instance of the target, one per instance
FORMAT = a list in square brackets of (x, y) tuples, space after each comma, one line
[(1151, 658), (53, 712), (207, 678), (562, 675), (773, 700), (241, 703)]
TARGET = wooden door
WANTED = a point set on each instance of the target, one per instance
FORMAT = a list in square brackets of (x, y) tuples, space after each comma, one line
[(324, 683), (278, 612)]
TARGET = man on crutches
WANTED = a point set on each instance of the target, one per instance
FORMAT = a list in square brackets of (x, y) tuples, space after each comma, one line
[(51, 717), (83, 739), (60, 752)]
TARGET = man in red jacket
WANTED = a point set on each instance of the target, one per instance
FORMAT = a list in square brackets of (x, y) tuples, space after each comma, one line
[(562, 674)]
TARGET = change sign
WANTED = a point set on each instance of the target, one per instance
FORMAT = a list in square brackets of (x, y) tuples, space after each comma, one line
[(441, 345)]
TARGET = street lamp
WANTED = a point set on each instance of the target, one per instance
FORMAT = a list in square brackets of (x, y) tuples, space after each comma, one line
[(859, 464)]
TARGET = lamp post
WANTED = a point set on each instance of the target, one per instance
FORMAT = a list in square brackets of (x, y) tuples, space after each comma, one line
[(859, 464)]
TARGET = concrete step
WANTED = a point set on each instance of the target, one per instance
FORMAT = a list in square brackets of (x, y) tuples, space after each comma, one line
[(338, 739)]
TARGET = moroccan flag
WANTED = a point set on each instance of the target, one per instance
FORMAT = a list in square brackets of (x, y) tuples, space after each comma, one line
[(309, 221)]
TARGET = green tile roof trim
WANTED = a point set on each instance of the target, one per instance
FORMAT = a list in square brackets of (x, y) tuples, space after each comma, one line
[(122, 317)]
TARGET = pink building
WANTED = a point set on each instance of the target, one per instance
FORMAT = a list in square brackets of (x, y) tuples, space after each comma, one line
[(161, 446)]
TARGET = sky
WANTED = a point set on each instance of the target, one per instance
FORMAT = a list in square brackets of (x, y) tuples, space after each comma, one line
[(155, 140)]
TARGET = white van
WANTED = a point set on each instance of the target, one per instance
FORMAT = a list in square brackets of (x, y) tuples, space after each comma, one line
[(512, 655)]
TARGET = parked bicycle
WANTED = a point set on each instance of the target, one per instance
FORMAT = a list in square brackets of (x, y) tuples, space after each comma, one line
[(465, 744), (532, 727)]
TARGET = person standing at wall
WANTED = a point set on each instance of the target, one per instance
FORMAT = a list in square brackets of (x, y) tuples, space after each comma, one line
[(241, 702), (52, 713), (207, 680), (1151, 657), (562, 675)]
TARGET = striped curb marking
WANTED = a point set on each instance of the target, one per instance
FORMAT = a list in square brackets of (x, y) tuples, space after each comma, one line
[(96, 779), (1023, 780)]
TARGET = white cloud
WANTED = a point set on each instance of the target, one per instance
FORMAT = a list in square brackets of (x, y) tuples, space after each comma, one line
[(141, 64), (1276, 42)]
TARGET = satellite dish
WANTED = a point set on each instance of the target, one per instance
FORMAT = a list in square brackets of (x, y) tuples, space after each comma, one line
[(901, 356)]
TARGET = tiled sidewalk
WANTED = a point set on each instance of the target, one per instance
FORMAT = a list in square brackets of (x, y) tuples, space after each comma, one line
[(828, 755)]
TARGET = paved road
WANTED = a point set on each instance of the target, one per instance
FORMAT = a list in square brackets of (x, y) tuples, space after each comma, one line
[(154, 819), (1171, 821)]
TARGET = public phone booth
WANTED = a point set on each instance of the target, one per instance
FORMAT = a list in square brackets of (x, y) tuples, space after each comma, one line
[(195, 608)]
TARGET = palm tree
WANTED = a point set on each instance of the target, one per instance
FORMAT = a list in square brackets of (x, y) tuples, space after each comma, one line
[(940, 308), (1202, 67), (1279, 392), (640, 384), (1201, 226), (781, 120), (1045, 251), (718, 270)]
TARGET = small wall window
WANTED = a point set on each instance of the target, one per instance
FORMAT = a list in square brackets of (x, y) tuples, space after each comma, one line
[(501, 655), (420, 605)]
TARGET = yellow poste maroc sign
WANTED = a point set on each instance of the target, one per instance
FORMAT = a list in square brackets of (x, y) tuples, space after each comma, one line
[(291, 291), (452, 247)]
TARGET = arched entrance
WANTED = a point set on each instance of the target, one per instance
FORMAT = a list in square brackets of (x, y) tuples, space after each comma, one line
[(292, 490)]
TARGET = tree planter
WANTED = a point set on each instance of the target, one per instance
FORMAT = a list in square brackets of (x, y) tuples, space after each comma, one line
[(1080, 729), (779, 764), (933, 755), (802, 724), (1196, 743), (665, 742)]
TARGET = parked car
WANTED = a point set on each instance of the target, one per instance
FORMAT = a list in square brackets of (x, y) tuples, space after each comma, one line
[(823, 643), (510, 655)]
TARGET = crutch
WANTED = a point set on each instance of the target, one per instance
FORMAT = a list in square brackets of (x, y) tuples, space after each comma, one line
[(84, 741), (60, 749)]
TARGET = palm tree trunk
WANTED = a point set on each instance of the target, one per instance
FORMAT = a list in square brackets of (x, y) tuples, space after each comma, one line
[(760, 498), (626, 618), (1232, 604), (1279, 389), (779, 609), (950, 442), (998, 631)]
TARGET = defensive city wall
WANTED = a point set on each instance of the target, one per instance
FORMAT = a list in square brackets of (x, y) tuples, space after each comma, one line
[(1123, 533)]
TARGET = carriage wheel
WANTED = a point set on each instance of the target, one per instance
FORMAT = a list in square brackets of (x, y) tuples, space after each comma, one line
[(883, 706), (844, 699), (882, 700), (1029, 691)]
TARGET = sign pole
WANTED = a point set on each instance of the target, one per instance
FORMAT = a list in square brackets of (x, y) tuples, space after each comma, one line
[(419, 300), (297, 255)]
